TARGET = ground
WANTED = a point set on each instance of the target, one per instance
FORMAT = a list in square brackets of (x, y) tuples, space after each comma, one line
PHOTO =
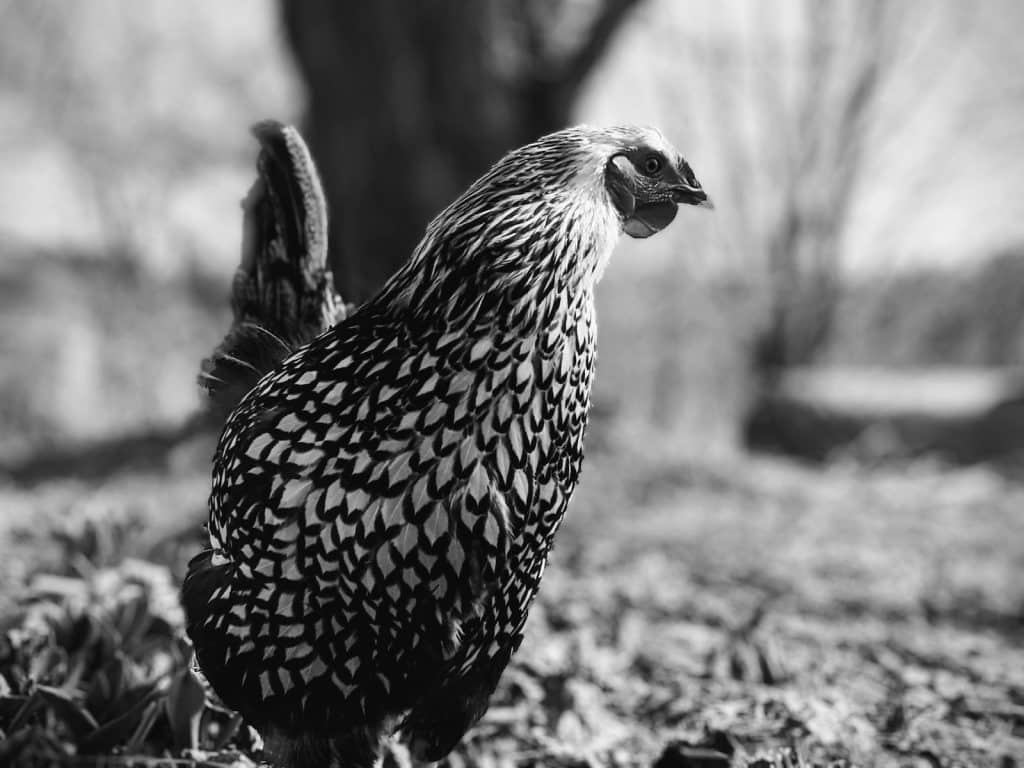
[(696, 611)]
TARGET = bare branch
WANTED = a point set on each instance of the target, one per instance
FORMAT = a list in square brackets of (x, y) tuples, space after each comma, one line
[(611, 16)]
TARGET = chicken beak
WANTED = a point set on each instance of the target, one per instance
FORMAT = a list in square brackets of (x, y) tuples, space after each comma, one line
[(692, 196)]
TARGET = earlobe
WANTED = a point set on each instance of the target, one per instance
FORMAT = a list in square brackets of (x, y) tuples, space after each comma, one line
[(619, 181)]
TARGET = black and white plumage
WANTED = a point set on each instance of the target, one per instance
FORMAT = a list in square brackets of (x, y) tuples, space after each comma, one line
[(384, 501)]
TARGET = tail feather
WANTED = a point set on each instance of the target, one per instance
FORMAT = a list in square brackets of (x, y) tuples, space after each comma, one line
[(283, 295)]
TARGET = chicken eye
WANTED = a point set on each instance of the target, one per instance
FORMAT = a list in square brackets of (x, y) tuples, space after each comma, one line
[(652, 165)]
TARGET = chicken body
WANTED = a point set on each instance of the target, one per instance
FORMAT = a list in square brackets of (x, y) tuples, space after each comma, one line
[(384, 502)]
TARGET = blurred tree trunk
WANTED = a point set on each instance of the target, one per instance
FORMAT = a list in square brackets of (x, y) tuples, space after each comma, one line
[(793, 106), (846, 55), (409, 102)]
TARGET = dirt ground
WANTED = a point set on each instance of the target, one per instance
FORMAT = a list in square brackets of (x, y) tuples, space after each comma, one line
[(696, 612)]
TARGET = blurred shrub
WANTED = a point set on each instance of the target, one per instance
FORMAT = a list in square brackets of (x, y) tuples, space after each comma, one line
[(674, 356), (127, 123), (93, 656), (932, 316), (99, 665), (92, 349)]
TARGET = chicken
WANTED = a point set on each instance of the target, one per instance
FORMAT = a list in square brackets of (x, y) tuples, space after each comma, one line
[(384, 500)]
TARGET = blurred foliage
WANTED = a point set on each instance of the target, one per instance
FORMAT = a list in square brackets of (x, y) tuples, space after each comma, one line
[(123, 110), (97, 664), (804, 136), (933, 316), (96, 349), (740, 614)]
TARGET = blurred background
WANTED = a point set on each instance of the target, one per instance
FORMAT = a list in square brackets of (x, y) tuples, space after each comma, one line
[(839, 346), (864, 157)]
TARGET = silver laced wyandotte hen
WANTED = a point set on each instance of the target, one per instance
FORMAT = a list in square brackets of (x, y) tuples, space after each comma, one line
[(385, 497)]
